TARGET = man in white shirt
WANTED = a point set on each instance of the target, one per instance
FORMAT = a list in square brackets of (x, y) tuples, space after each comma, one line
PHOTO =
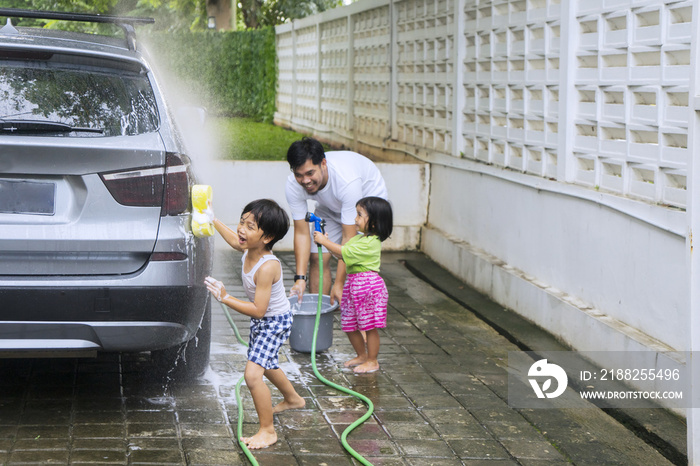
[(336, 181)]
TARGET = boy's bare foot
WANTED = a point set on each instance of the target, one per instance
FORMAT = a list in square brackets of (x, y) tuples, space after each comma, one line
[(296, 403), (356, 361), (367, 367), (260, 440)]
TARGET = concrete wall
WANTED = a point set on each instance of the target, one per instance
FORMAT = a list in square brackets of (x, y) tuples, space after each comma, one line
[(597, 277), (237, 183)]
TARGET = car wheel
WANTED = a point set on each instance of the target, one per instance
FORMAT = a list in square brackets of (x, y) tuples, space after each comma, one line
[(190, 359)]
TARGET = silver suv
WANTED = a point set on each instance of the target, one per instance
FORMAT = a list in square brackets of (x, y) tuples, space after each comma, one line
[(96, 249)]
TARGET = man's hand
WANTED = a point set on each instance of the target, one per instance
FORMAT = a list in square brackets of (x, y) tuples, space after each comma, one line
[(336, 293), (298, 290)]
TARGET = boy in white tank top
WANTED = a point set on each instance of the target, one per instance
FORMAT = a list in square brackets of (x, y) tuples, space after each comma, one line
[(263, 223)]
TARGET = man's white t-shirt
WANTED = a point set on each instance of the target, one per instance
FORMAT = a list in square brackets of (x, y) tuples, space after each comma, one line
[(351, 177)]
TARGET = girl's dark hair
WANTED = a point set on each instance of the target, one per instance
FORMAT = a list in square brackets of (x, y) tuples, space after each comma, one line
[(380, 219), (270, 217), (301, 151)]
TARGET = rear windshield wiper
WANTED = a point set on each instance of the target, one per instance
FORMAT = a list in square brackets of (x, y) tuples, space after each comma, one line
[(40, 126)]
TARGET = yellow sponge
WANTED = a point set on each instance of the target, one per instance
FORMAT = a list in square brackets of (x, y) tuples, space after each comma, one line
[(201, 197), (201, 201), (202, 229)]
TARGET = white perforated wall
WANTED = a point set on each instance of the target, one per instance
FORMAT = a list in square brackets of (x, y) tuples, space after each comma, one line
[(630, 111), (589, 92)]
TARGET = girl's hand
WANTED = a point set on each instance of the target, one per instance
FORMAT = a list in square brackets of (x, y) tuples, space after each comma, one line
[(320, 238), (216, 288)]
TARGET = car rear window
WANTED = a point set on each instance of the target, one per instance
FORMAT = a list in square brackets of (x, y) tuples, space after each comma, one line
[(110, 102)]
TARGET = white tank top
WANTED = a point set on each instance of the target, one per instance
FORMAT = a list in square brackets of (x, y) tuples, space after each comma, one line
[(279, 304)]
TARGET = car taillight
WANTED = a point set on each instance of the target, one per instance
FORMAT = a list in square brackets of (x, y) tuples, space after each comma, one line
[(177, 188), (143, 188), (167, 187), (168, 256)]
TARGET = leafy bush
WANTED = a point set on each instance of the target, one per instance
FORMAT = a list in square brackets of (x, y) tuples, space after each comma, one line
[(233, 73)]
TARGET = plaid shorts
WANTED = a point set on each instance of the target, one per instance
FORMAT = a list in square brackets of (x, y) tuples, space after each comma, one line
[(267, 335)]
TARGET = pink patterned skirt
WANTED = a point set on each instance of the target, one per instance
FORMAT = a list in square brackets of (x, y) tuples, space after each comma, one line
[(363, 306)]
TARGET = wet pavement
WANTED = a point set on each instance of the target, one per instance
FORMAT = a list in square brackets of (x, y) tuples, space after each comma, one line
[(440, 398)]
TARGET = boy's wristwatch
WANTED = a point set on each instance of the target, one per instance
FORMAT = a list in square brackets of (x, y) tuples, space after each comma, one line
[(299, 277)]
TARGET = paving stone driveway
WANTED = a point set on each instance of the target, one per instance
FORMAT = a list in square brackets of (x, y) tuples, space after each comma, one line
[(439, 400)]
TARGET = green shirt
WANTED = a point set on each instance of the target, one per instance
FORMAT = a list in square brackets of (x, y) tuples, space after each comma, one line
[(362, 253)]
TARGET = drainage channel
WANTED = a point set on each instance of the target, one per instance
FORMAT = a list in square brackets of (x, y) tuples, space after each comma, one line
[(510, 326)]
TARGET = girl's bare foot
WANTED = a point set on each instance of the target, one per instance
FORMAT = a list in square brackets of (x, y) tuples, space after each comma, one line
[(296, 403), (355, 361), (260, 440), (367, 367)]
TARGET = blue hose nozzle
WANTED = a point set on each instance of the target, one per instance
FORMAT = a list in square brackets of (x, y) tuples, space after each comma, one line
[(319, 223)]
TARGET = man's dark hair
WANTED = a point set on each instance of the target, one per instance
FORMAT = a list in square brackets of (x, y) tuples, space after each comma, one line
[(305, 149), (270, 217), (380, 218)]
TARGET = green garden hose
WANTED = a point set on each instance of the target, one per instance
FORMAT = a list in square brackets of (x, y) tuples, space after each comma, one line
[(367, 401)]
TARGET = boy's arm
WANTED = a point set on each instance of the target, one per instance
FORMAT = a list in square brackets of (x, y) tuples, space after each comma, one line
[(263, 289), (229, 235)]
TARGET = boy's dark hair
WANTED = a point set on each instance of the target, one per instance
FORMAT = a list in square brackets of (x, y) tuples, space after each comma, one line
[(380, 219), (301, 151), (270, 217)]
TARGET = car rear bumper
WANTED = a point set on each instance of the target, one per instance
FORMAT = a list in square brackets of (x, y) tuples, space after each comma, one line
[(98, 319), (59, 338)]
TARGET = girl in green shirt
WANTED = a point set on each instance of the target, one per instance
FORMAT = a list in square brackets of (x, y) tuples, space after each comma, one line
[(364, 302)]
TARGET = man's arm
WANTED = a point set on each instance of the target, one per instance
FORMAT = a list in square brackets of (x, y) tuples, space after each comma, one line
[(302, 253), (337, 291)]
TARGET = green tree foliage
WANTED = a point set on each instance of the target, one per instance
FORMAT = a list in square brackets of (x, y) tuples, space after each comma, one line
[(74, 6), (81, 6), (281, 11), (232, 73), (170, 15), (260, 13), (174, 15)]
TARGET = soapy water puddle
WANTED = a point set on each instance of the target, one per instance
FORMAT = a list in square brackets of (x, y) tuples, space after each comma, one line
[(161, 401), (221, 348)]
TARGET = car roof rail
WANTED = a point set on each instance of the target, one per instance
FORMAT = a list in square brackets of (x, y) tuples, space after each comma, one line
[(127, 23)]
